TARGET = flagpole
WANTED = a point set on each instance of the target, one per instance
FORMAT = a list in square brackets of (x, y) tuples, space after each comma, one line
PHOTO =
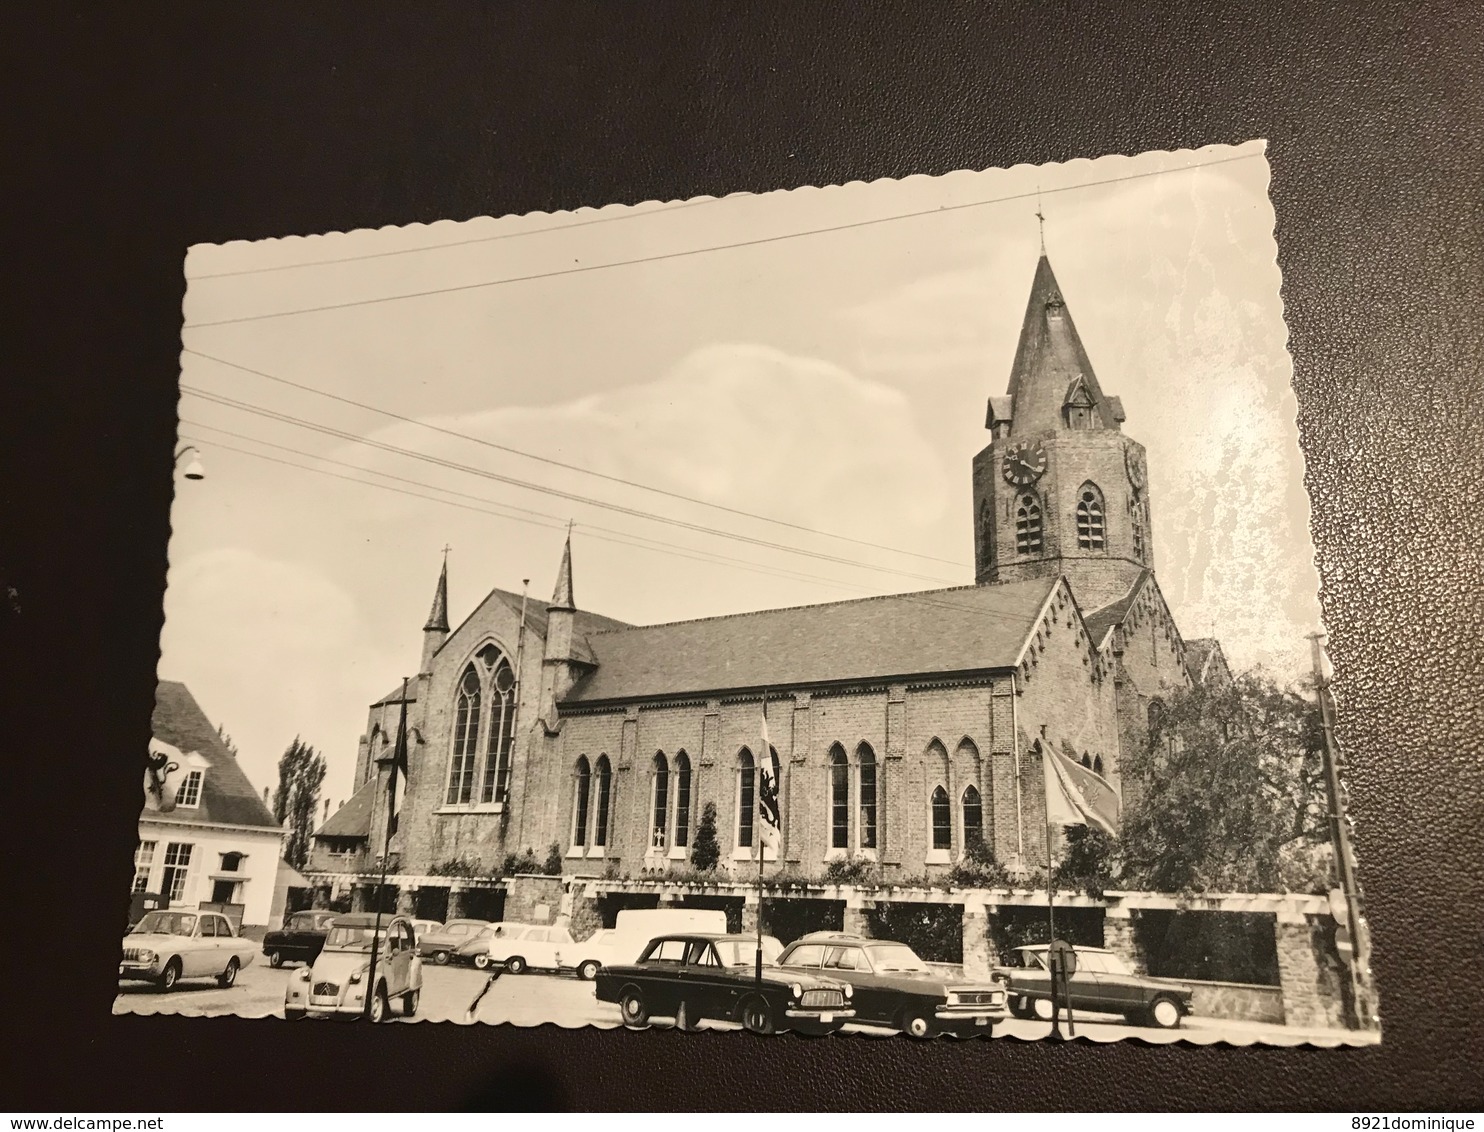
[(1052, 964), (386, 852)]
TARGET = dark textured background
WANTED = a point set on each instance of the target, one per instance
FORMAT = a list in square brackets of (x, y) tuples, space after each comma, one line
[(132, 133)]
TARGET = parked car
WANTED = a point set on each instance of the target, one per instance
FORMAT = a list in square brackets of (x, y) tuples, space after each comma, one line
[(693, 977), (635, 927), (165, 947), (300, 938), (475, 948), (893, 987), (1101, 984), (423, 928), (439, 945), (337, 983), (522, 947)]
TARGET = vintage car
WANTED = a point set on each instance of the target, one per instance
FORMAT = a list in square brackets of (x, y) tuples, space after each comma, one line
[(692, 977), (523, 947), (1101, 984), (893, 987), (165, 947), (300, 938), (439, 945), (423, 928), (338, 982)]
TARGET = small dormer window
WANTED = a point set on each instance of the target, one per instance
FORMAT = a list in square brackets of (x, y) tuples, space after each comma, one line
[(189, 793), (232, 862)]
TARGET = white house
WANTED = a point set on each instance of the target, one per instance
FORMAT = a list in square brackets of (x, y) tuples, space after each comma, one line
[(205, 836)]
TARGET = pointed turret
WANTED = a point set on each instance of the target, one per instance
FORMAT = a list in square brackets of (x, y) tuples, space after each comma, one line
[(435, 632), (1052, 384), (564, 661)]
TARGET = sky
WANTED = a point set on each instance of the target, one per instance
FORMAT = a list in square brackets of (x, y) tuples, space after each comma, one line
[(816, 359)]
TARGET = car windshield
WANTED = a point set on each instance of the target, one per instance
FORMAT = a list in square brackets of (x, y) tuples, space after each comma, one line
[(743, 952), (1028, 960), (166, 923), (351, 938), (896, 957)]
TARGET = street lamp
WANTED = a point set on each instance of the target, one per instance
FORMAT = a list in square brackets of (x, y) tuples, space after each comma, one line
[(194, 470)]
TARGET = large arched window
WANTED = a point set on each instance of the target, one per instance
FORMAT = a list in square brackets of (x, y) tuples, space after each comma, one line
[(1091, 534), (465, 739), (839, 798), (1028, 524), (500, 732), (1137, 520), (659, 801), (581, 789), (682, 801), (942, 819), (603, 785), (866, 787), (746, 797), (973, 817)]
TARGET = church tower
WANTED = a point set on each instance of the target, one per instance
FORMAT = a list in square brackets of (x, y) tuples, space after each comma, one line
[(435, 632), (1059, 489)]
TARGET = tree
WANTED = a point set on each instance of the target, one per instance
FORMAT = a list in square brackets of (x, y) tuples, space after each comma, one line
[(1230, 776), (1088, 862), (301, 773), (706, 851)]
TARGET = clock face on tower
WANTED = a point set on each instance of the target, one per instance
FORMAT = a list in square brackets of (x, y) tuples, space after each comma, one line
[(1024, 463)]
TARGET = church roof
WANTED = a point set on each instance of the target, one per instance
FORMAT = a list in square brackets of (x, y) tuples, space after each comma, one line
[(354, 818), (1201, 655), (1050, 360), (964, 629), (227, 797), (438, 615), (1099, 621)]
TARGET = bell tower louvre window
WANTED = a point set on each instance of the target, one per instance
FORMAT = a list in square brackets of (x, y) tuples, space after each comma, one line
[(1028, 524), (1090, 527)]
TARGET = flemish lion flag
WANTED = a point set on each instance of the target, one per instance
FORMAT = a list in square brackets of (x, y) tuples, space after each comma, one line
[(1077, 796), (769, 818)]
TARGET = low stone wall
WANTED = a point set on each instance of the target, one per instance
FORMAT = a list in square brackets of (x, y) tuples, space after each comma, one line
[(1240, 1002), (533, 899)]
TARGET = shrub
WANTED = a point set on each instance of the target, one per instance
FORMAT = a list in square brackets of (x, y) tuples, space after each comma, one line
[(520, 863), (979, 869), (706, 851), (552, 866), (852, 872)]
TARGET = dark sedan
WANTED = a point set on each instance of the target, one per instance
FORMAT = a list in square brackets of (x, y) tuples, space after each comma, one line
[(696, 976), (893, 987), (441, 945), (301, 938), (1102, 984)]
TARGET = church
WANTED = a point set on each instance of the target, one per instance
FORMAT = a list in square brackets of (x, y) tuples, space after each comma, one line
[(904, 729)]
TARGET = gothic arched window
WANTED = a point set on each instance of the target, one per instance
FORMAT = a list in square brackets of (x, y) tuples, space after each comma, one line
[(1090, 518), (986, 535), (500, 734), (682, 801), (1136, 515), (465, 739), (973, 817), (603, 783), (1156, 715), (1028, 523), (581, 789), (942, 819), (659, 801), (866, 775), (839, 798), (746, 798)]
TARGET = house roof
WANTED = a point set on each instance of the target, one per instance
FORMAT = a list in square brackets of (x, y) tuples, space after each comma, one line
[(1099, 621), (354, 818), (227, 797), (967, 628)]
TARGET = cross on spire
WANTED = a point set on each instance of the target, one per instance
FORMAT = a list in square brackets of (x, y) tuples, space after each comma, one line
[(1040, 220)]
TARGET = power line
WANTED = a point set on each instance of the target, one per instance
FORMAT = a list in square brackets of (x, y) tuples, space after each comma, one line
[(568, 467), (340, 434), (456, 243), (555, 522), (711, 248)]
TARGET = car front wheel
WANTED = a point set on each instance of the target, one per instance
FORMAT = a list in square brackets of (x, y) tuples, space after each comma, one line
[(275, 958), (1043, 1009), (588, 971), (169, 976), (757, 1016), (440, 958), (1164, 1012), (229, 976), (632, 1007), (482, 961), (515, 965), (409, 1003), (916, 1024), (379, 1006)]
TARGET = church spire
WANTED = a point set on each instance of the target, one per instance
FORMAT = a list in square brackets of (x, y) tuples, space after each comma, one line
[(438, 615), (561, 598), (1052, 384), (435, 632)]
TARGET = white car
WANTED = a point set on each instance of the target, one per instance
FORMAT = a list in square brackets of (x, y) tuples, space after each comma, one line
[(165, 947), (339, 981)]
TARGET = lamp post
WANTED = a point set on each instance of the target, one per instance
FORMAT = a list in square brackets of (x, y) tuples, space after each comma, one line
[(194, 470)]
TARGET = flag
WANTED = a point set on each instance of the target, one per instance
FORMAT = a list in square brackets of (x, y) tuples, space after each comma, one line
[(1075, 795), (769, 819)]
